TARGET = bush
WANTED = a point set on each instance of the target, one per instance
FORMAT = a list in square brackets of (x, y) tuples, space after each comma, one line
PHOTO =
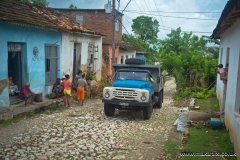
[(104, 83), (91, 75)]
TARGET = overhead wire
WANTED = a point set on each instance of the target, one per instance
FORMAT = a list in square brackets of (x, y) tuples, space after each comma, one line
[(172, 28), (146, 5), (126, 6), (186, 31), (159, 16), (138, 6), (177, 17), (172, 12)]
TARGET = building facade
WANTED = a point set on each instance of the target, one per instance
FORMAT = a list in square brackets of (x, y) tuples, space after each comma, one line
[(228, 31), (23, 57), (99, 20), (39, 46)]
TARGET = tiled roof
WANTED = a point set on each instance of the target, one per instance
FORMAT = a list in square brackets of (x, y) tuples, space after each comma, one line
[(229, 15), (127, 46), (13, 11)]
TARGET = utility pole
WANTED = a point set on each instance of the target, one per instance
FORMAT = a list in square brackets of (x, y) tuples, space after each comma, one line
[(113, 31)]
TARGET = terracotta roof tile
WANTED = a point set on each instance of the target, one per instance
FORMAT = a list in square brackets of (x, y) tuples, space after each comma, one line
[(13, 11)]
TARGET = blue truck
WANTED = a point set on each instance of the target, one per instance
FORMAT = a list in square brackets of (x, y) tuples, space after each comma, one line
[(135, 86)]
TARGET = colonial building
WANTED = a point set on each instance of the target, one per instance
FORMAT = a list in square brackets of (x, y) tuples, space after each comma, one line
[(99, 20), (39, 45)]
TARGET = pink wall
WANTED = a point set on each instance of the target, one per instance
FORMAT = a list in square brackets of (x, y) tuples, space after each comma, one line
[(110, 57)]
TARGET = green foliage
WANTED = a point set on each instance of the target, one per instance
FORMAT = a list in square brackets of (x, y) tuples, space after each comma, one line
[(186, 57), (171, 147), (55, 106), (142, 46), (104, 83), (198, 125), (91, 75), (205, 93), (30, 113), (72, 6), (10, 121), (208, 140), (42, 3), (146, 28), (145, 31)]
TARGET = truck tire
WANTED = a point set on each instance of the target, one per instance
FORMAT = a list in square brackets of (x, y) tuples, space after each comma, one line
[(160, 100), (147, 111), (109, 110)]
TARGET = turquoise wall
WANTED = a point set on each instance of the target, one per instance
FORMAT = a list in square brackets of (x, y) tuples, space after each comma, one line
[(140, 56), (33, 69)]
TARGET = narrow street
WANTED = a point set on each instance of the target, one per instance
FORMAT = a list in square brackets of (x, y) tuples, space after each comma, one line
[(86, 133)]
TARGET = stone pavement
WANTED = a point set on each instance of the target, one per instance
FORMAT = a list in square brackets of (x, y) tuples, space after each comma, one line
[(10, 112), (84, 132)]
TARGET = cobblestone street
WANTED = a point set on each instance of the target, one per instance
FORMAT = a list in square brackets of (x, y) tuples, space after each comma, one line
[(86, 133)]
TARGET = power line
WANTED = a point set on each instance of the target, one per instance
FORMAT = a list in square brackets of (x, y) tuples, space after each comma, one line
[(171, 12), (146, 5), (123, 26), (160, 16), (126, 6), (137, 5), (128, 20), (186, 31), (170, 27), (177, 17)]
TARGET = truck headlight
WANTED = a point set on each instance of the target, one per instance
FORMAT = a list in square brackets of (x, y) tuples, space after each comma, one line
[(143, 98), (107, 95)]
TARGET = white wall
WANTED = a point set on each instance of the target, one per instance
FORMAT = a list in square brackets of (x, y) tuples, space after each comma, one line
[(231, 39), (128, 53), (82, 41)]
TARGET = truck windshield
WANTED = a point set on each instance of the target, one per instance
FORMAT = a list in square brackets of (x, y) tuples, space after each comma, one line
[(130, 75)]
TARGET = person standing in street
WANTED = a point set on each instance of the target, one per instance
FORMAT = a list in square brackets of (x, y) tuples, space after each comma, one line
[(81, 84), (67, 91)]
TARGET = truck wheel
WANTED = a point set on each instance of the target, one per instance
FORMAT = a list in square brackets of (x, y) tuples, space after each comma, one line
[(109, 110), (159, 103), (147, 111)]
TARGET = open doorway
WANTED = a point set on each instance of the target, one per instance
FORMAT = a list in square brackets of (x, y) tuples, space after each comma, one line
[(14, 70)]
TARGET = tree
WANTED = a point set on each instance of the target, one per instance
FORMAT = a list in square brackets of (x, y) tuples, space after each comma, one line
[(146, 28), (185, 56), (72, 6), (142, 46), (42, 3)]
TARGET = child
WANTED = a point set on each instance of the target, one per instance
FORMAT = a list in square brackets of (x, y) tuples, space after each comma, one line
[(222, 73), (67, 90), (80, 89)]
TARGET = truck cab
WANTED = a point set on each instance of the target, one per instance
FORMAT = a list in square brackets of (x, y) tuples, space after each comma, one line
[(135, 86)]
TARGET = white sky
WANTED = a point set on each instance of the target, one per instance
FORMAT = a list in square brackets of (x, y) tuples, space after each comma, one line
[(157, 7)]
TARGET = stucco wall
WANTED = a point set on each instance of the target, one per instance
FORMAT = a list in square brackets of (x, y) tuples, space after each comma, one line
[(32, 70), (231, 39), (130, 54), (82, 42)]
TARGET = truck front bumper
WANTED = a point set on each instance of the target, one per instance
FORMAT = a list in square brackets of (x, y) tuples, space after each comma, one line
[(125, 103)]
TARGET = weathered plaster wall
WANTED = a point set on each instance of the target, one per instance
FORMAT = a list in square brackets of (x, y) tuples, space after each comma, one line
[(33, 70), (231, 39), (130, 54), (82, 42)]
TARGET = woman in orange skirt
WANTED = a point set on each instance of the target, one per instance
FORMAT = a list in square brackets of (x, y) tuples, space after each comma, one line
[(80, 89)]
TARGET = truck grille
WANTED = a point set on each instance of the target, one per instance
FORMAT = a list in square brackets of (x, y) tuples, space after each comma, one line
[(125, 94)]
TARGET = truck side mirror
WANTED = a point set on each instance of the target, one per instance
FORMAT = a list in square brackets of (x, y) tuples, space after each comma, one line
[(158, 80)]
